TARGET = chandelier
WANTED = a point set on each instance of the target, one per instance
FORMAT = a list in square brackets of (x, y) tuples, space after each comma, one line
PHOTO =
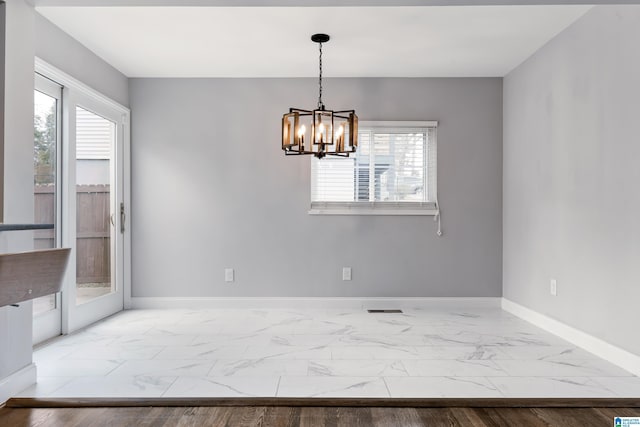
[(319, 132)]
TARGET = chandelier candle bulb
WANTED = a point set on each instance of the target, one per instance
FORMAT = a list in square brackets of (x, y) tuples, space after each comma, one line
[(301, 132), (340, 140)]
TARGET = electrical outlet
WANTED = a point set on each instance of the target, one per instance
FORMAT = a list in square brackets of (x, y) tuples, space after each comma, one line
[(553, 287), (346, 273), (228, 275)]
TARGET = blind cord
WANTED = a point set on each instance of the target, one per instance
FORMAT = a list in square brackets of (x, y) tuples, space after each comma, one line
[(437, 218)]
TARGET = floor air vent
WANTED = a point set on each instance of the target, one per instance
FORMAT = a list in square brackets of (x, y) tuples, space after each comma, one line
[(384, 311)]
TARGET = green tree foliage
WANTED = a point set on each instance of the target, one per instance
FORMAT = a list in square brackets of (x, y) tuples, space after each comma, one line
[(44, 147)]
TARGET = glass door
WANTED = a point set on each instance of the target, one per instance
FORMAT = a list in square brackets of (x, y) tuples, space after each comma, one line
[(96, 221), (80, 138), (47, 207)]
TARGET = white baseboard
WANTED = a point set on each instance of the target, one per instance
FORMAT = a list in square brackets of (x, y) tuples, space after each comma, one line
[(341, 303), (16, 382), (600, 348)]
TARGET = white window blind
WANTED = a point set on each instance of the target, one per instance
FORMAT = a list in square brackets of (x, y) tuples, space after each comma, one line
[(394, 170), (93, 136)]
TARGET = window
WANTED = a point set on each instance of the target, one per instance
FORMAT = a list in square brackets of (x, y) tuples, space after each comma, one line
[(47, 116), (392, 173)]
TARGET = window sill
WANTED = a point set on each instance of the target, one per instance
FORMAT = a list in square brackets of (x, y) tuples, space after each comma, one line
[(379, 208)]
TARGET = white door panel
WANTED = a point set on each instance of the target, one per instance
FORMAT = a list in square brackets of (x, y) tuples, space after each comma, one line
[(91, 190)]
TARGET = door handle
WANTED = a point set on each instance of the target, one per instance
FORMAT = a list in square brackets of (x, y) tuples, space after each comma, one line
[(123, 217)]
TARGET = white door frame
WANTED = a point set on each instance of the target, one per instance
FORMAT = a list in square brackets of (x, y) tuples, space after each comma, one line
[(76, 92), (79, 316), (49, 324)]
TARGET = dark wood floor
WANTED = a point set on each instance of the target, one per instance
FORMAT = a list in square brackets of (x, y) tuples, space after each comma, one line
[(235, 416)]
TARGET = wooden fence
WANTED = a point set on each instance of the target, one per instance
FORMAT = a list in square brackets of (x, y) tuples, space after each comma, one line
[(93, 242)]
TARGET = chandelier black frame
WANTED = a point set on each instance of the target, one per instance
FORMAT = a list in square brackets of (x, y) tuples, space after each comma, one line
[(333, 133)]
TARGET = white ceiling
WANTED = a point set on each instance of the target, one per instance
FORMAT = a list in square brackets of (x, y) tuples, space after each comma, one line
[(436, 41)]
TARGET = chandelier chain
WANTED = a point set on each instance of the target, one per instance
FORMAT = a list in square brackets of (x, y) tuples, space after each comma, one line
[(320, 104)]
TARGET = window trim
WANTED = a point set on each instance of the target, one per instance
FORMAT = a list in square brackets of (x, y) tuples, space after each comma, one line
[(390, 208)]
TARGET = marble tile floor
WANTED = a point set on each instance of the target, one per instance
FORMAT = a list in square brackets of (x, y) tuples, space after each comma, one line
[(434, 352)]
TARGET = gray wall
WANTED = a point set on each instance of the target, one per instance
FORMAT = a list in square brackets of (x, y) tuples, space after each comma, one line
[(571, 174), (212, 189), (2, 38), (64, 52), (15, 323)]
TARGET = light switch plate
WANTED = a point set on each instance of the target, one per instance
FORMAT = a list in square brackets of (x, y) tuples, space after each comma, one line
[(346, 273)]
